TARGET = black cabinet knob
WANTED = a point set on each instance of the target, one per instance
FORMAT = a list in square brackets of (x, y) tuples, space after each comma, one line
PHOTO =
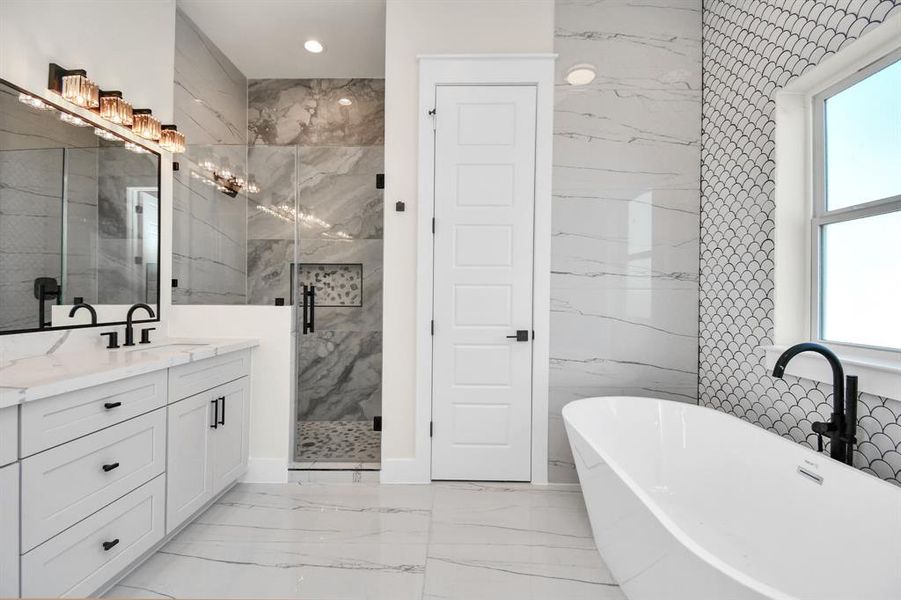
[(107, 546), (110, 467), (111, 405)]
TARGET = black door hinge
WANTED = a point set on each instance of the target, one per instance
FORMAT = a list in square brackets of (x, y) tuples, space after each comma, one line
[(433, 225), (139, 209), (431, 429), (433, 326)]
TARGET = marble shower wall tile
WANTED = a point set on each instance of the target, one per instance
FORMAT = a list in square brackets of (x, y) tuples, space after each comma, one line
[(210, 91), (306, 112), (337, 188), (31, 201), (624, 262), (120, 279), (209, 245), (82, 225), (339, 375), (271, 214)]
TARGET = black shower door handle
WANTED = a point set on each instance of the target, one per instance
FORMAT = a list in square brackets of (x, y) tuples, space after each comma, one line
[(309, 309)]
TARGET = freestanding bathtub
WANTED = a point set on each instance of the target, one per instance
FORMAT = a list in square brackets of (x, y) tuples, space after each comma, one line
[(689, 503)]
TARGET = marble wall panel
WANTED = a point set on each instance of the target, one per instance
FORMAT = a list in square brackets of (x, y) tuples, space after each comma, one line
[(339, 376), (31, 209), (337, 191), (121, 279), (210, 91), (624, 255), (209, 246), (306, 112)]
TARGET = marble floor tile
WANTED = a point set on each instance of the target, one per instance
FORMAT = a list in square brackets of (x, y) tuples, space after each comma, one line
[(462, 541)]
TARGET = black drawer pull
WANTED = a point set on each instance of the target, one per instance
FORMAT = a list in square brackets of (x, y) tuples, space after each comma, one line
[(110, 467), (110, 405), (107, 546), (215, 423)]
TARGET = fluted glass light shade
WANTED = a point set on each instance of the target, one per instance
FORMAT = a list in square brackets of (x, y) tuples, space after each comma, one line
[(145, 124), (171, 139), (78, 89), (115, 109)]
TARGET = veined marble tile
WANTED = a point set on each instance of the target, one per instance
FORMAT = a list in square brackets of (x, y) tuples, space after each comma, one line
[(336, 188), (372, 541), (624, 285), (339, 375), (210, 91), (272, 211), (489, 572), (306, 112), (269, 270), (209, 252)]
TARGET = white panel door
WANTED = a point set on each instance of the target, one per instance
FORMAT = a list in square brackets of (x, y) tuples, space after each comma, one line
[(484, 210)]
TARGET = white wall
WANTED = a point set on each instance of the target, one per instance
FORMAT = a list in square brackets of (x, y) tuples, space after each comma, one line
[(271, 386), (413, 28), (127, 46)]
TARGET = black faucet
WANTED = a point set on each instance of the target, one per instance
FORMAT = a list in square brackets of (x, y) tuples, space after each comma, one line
[(842, 425), (88, 308), (129, 325)]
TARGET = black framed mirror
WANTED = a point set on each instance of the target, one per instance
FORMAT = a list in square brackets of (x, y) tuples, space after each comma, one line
[(79, 218)]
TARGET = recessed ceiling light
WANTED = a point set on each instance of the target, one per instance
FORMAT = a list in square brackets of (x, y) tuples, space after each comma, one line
[(582, 74), (345, 101), (314, 46)]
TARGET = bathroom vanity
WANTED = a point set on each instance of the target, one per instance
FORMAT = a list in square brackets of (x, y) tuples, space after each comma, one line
[(106, 454)]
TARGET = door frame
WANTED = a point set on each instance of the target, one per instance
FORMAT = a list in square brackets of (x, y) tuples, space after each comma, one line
[(487, 69)]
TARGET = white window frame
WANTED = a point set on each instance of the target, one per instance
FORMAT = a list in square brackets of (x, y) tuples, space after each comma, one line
[(822, 216), (799, 213)]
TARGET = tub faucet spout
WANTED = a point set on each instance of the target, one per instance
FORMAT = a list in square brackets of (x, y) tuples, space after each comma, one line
[(842, 425)]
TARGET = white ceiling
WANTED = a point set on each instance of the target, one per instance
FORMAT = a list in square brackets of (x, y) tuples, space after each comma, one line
[(264, 38)]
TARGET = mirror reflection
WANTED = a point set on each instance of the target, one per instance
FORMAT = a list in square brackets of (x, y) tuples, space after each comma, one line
[(79, 219)]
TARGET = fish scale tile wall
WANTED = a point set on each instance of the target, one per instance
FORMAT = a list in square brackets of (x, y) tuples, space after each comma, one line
[(752, 48)]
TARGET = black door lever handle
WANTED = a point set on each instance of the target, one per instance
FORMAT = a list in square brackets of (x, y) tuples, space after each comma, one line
[(522, 335)]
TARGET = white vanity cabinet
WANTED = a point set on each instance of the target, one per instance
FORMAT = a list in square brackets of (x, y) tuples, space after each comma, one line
[(9, 531), (208, 440), (93, 479)]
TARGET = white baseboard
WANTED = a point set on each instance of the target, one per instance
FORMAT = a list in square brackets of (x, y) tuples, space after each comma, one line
[(266, 470), (404, 470)]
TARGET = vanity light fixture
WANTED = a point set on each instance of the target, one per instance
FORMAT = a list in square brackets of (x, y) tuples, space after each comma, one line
[(35, 103), (314, 46), (74, 86), (171, 139), (115, 109), (581, 74), (145, 124), (345, 101), (73, 120)]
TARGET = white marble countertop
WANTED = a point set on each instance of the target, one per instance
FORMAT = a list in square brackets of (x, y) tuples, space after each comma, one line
[(48, 375)]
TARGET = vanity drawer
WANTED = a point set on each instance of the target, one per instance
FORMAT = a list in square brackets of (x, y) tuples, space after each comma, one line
[(193, 378), (9, 435), (75, 563), (66, 484), (53, 421)]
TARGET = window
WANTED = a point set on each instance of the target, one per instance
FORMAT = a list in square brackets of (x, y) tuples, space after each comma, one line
[(856, 226)]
